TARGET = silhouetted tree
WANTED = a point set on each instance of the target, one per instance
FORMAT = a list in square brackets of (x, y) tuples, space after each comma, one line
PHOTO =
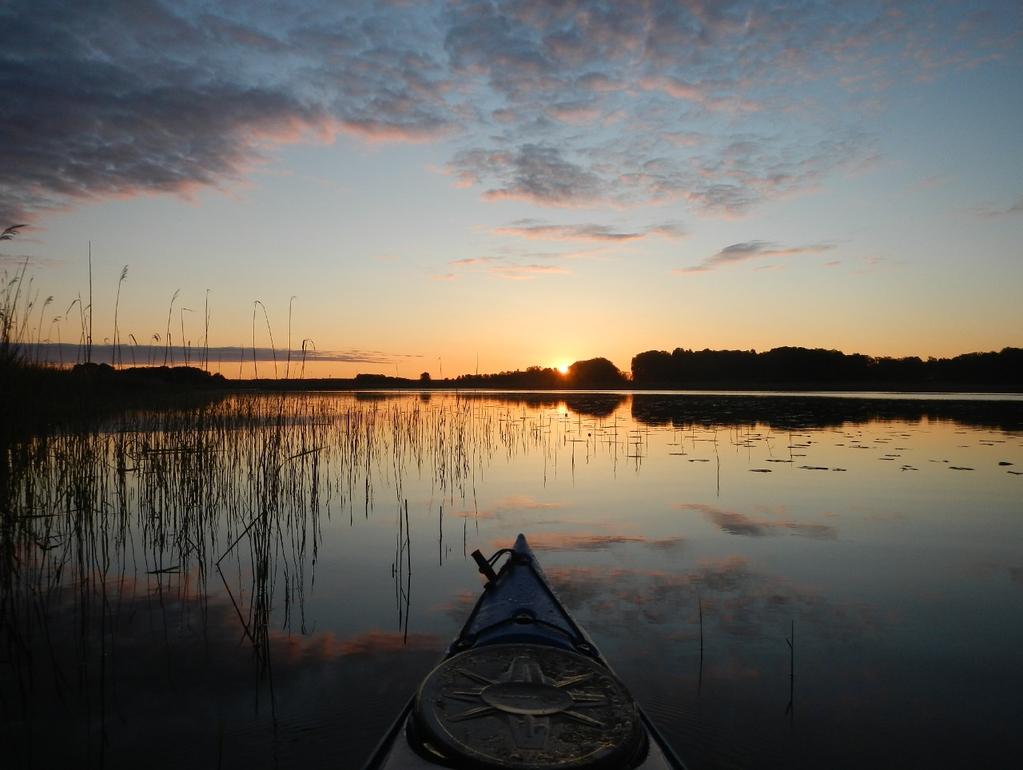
[(653, 367), (596, 373), (372, 380)]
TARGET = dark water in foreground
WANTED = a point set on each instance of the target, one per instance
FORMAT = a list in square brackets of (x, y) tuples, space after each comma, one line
[(229, 587)]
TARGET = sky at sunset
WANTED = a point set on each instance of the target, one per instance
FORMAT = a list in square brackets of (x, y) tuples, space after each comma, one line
[(519, 183)]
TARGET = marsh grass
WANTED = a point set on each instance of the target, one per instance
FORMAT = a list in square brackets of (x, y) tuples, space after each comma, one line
[(12, 294), (179, 507)]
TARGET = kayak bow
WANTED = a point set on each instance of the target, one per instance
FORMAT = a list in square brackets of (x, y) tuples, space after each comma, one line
[(522, 687)]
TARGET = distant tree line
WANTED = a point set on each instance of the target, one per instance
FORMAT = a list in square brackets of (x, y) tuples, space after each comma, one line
[(535, 378), (781, 368), (785, 367), (791, 366), (592, 373)]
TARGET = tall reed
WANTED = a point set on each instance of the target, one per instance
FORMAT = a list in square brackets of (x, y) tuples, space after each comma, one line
[(167, 350), (117, 304)]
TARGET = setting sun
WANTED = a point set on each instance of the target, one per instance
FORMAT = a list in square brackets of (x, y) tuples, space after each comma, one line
[(563, 368)]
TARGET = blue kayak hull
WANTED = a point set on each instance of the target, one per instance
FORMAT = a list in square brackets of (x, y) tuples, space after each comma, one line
[(518, 610)]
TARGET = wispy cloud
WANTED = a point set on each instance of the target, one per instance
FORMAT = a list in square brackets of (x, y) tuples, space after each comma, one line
[(932, 182), (527, 272), (508, 268), (535, 173), (540, 230), (743, 252), (993, 212), (473, 261)]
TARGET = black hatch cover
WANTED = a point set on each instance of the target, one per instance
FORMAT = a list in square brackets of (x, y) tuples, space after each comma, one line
[(525, 707)]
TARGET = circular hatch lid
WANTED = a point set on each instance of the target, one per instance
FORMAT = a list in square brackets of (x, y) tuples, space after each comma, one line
[(528, 707)]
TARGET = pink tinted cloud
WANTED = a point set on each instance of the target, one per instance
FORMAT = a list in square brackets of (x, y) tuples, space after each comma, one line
[(378, 131), (701, 95)]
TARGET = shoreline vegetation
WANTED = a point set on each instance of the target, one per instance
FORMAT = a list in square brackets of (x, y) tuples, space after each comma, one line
[(39, 397), (39, 400), (781, 370)]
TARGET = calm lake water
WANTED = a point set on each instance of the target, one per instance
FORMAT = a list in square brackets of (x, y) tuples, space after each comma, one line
[(236, 585)]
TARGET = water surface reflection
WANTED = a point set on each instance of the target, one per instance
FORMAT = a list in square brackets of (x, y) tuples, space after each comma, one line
[(263, 580)]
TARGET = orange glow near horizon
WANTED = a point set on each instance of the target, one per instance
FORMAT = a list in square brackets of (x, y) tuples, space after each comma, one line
[(563, 368)]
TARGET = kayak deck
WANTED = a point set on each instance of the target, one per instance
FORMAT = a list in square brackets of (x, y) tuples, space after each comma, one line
[(522, 687)]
